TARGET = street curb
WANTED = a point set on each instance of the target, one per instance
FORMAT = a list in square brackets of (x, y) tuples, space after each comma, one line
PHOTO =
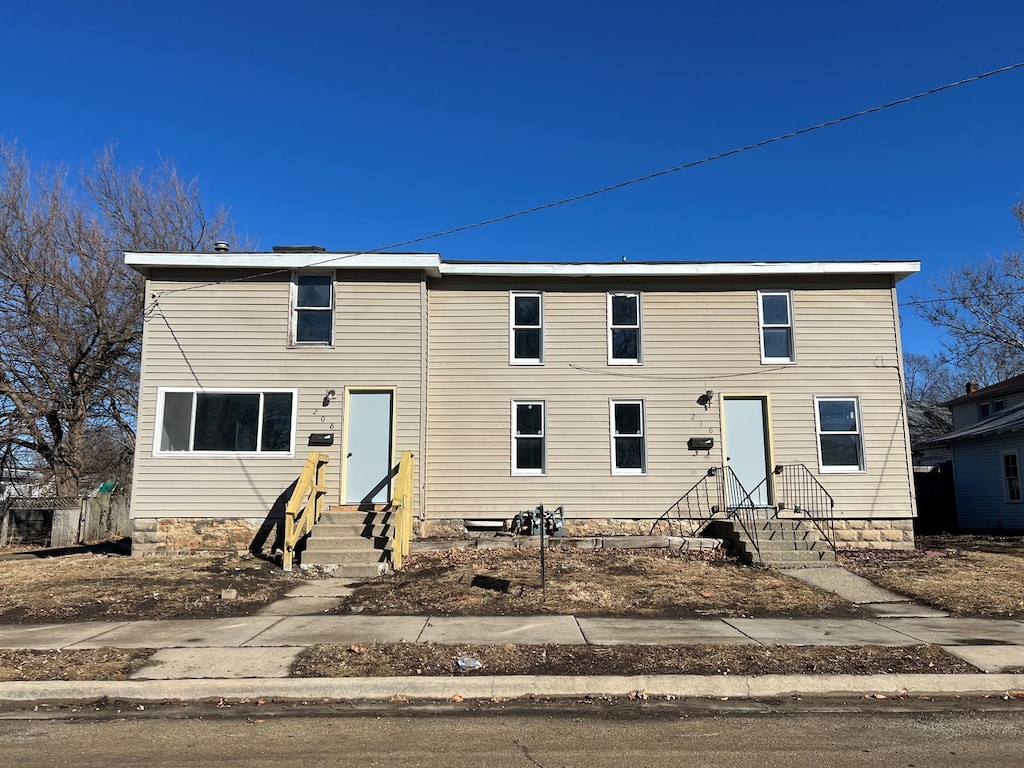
[(511, 687)]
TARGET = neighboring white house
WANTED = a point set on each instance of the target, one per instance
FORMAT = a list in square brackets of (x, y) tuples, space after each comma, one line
[(607, 388)]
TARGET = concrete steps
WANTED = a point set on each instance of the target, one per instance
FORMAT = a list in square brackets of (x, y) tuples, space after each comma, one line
[(781, 543), (350, 541)]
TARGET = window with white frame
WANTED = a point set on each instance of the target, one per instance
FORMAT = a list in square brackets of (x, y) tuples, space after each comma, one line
[(313, 309), (226, 422), (624, 339), (840, 437), (528, 437), (776, 314), (526, 328), (1011, 477), (629, 440)]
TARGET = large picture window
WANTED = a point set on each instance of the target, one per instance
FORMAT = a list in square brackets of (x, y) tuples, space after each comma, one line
[(777, 327), (528, 438), (840, 438), (629, 440), (313, 309), (526, 329), (226, 422), (624, 340)]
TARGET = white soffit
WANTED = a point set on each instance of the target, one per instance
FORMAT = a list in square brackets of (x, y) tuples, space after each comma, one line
[(900, 269), (428, 262)]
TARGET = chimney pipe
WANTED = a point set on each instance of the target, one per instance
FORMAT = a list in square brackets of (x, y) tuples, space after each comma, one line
[(972, 387)]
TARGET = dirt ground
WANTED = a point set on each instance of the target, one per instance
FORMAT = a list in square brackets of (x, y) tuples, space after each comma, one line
[(977, 576), (649, 583), (969, 576)]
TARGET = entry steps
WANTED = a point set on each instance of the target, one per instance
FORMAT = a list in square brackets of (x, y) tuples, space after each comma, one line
[(781, 542), (351, 541)]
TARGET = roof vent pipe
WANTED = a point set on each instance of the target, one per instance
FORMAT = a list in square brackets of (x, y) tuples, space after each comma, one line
[(221, 246)]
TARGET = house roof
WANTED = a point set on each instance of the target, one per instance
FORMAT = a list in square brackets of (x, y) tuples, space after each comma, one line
[(433, 265), (1004, 422), (1005, 387)]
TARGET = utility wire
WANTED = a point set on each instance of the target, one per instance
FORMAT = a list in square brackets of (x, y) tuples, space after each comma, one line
[(631, 182)]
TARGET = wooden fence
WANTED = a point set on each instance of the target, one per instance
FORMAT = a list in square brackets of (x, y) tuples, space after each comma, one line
[(57, 521)]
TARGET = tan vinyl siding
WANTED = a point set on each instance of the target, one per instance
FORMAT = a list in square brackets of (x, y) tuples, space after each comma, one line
[(697, 334), (202, 332)]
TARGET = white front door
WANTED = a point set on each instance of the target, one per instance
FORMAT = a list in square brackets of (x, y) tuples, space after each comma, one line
[(747, 445), (368, 450)]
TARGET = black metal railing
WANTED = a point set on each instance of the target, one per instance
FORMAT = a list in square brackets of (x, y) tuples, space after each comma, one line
[(798, 490), (712, 495)]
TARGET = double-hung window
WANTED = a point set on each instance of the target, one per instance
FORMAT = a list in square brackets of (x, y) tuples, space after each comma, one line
[(776, 312), (526, 328), (840, 437), (624, 339), (249, 421), (629, 439), (528, 437), (990, 407), (1011, 477), (313, 309)]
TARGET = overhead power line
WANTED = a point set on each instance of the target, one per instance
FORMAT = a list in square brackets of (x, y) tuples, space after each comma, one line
[(636, 180)]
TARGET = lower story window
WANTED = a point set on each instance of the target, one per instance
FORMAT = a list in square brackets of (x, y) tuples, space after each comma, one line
[(1011, 477), (629, 449), (840, 439), (528, 437), (226, 422)]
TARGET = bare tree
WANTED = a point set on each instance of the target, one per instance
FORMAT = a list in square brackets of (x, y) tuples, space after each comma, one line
[(980, 307), (71, 311), (930, 379)]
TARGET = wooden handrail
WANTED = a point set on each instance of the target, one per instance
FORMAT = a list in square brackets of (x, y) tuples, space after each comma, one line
[(401, 506), (305, 505)]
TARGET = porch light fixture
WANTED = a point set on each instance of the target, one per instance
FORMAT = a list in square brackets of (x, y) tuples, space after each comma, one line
[(706, 399), (328, 397)]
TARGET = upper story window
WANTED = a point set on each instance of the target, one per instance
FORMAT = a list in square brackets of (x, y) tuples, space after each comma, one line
[(528, 438), (313, 309), (990, 408), (840, 437), (226, 422), (526, 328), (776, 311), (624, 339), (629, 438)]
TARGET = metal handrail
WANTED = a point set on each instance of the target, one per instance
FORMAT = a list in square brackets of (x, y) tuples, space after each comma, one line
[(801, 492), (696, 504), (401, 508), (305, 505)]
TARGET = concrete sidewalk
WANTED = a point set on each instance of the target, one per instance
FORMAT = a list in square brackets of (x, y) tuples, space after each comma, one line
[(251, 656)]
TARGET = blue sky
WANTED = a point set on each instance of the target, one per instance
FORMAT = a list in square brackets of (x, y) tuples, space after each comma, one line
[(356, 125)]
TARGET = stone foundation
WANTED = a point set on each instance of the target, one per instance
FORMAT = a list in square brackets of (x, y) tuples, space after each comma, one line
[(850, 534), (185, 535)]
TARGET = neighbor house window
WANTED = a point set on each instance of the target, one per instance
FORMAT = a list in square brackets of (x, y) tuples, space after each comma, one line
[(840, 438), (526, 329), (629, 450), (313, 309), (624, 342), (226, 422), (1011, 476), (528, 438), (776, 310), (990, 408)]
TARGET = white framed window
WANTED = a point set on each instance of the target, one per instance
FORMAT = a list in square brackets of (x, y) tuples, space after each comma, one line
[(840, 437), (226, 421), (1011, 477), (529, 437), (312, 309), (775, 310), (628, 437), (625, 344), (526, 328)]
